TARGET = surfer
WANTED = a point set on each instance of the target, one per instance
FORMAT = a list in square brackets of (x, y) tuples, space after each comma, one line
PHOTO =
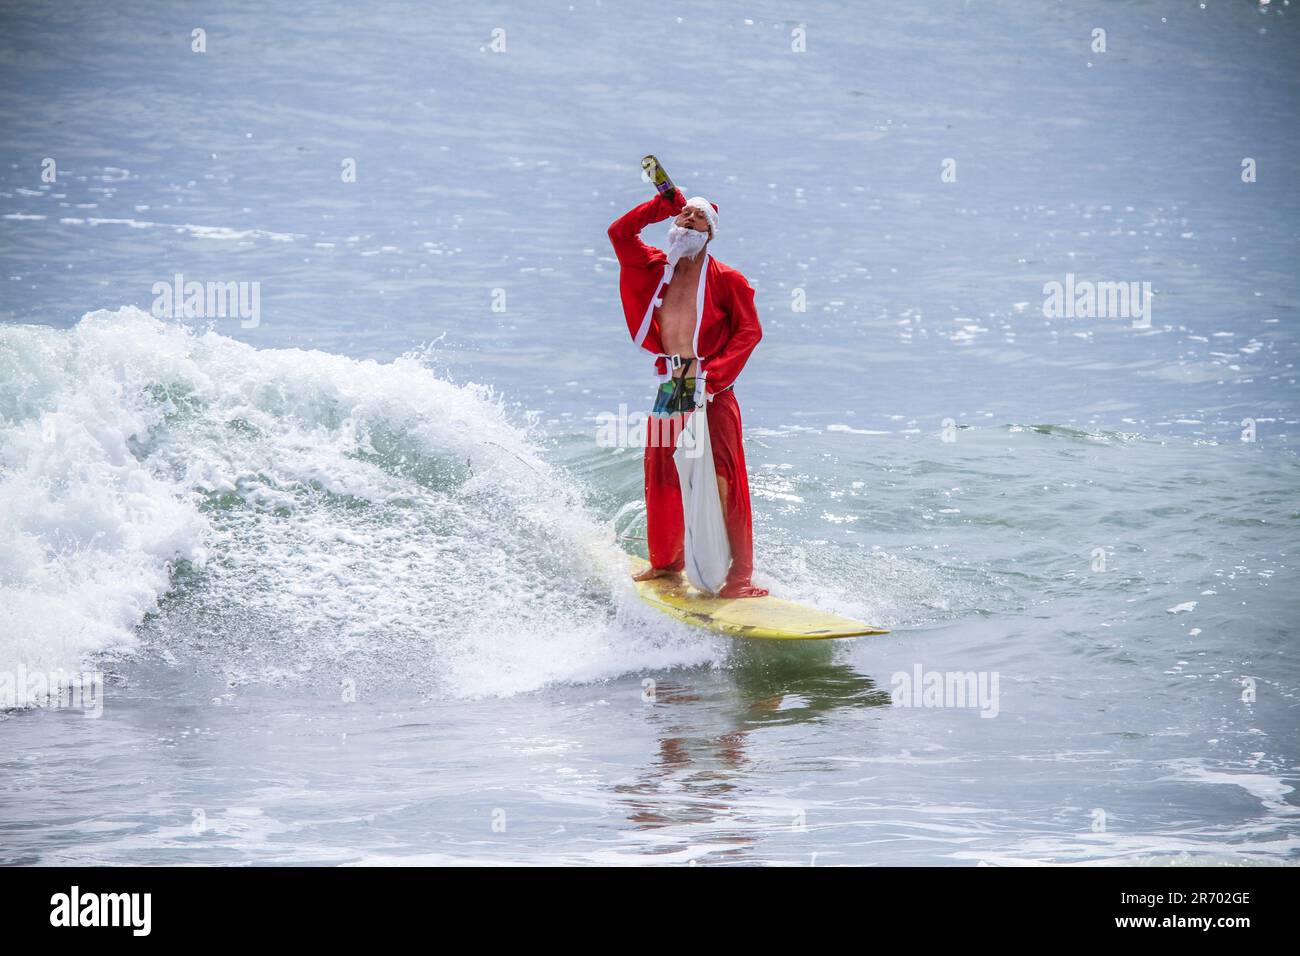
[(696, 316)]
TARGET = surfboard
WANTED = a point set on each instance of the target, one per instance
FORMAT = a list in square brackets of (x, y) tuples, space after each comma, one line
[(766, 618)]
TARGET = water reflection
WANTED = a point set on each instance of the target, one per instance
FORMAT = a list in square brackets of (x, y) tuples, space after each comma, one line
[(710, 739)]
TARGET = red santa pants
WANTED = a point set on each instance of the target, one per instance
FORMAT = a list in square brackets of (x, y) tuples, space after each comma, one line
[(663, 495)]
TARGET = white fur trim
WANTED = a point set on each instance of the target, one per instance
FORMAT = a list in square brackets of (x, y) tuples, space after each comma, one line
[(656, 299), (699, 306)]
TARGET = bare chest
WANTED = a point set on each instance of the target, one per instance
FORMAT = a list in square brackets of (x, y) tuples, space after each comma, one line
[(677, 315)]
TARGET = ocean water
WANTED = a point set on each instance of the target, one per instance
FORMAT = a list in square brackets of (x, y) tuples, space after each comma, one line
[(340, 582)]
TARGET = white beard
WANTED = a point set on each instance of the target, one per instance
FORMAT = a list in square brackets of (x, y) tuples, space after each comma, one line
[(684, 242)]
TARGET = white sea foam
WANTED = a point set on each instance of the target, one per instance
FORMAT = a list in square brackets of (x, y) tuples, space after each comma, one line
[(300, 515)]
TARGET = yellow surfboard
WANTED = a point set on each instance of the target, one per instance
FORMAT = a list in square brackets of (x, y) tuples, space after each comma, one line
[(768, 618)]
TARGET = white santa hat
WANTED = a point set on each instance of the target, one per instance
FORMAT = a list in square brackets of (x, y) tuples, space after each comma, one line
[(709, 209)]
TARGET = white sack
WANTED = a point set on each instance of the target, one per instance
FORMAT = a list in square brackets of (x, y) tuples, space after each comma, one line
[(708, 552)]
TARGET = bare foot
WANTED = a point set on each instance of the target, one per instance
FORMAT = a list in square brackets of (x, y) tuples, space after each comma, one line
[(742, 591), (650, 574)]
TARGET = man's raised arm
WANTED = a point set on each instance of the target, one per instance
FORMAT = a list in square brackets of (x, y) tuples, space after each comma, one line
[(625, 233)]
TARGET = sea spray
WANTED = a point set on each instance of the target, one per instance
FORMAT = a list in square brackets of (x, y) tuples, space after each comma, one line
[(289, 515)]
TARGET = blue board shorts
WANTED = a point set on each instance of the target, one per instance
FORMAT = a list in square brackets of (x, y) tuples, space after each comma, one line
[(666, 405)]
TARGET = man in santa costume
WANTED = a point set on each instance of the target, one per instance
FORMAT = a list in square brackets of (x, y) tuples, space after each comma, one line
[(696, 317)]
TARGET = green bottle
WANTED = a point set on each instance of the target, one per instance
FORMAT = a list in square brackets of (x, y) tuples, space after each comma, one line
[(655, 174)]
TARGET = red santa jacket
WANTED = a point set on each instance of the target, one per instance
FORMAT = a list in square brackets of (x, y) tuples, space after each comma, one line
[(726, 322)]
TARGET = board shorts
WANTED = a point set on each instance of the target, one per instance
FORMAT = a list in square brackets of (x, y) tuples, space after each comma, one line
[(671, 399)]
